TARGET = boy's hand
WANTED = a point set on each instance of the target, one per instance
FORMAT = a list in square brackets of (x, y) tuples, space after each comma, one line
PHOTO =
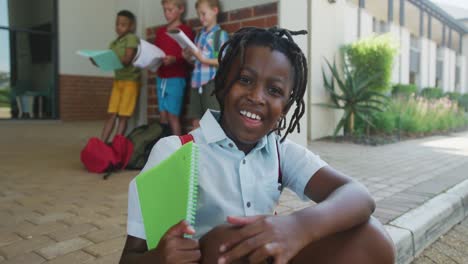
[(187, 54), (168, 60), (93, 62), (262, 237), (199, 56), (174, 248)]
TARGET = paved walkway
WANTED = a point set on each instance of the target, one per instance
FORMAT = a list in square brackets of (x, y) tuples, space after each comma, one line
[(53, 211)]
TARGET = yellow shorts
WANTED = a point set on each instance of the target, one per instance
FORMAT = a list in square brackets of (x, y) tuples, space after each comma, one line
[(123, 98)]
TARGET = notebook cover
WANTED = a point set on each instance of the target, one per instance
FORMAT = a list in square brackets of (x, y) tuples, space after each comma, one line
[(168, 192), (106, 60)]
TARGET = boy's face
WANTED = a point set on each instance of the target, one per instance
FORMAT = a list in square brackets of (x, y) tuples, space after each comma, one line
[(123, 25), (207, 14), (257, 99), (172, 12)]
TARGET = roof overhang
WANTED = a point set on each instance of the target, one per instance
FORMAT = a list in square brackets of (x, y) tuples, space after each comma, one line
[(440, 14)]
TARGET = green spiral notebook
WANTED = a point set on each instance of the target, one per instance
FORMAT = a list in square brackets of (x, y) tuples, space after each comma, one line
[(168, 192)]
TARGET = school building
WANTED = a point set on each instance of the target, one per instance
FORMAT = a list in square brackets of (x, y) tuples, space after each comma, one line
[(52, 82)]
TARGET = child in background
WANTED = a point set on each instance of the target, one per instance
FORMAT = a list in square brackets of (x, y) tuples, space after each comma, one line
[(209, 40), (126, 80), (170, 83), (246, 163)]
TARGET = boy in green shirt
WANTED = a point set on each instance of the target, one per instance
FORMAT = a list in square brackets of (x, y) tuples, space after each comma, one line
[(126, 80)]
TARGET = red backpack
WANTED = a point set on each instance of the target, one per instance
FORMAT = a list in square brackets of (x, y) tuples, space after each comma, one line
[(98, 157)]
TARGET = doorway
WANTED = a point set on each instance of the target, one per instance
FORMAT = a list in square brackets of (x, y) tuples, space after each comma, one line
[(28, 59)]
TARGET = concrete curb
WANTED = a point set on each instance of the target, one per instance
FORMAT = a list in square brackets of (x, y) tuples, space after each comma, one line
[(415, 230)]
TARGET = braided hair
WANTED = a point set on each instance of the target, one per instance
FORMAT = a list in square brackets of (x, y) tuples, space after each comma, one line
[(277, 39)]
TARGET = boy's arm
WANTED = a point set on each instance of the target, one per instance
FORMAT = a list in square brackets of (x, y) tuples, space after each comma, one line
[(180, 58), (204, 60), (342, 205), (128, 56), (212, 62)]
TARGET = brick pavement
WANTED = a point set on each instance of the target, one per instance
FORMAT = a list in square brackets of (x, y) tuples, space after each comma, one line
[(452, 248), (52, 211)]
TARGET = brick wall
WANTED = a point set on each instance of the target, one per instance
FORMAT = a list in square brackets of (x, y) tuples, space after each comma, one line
[(83, 97), (259, 16)]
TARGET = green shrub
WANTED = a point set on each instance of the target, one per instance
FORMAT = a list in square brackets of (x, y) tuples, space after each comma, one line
[(432, 92), (404, 90), (351, 94), (384, 122), (454, 96), (463, 101), (372, 56), (5, 95)]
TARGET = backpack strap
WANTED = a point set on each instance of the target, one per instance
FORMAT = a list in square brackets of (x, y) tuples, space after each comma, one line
[(184, 139), (216, 41), (280, 175)]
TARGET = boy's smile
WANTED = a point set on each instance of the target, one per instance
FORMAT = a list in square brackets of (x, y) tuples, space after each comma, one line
[(258, 96)]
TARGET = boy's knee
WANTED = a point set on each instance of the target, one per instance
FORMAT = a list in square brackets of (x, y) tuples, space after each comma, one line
[(368, 243), (378, 242)]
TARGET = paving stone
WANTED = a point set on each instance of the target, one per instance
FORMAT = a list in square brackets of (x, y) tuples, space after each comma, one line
[(452, 251), (107, 247), (438, 256), (29, 230), (424, 260), (63, 247), (25, 246), (50, 217), (106, 234), (69, 232), (27, 258), (109, 259), (7, 238), (76, 257)]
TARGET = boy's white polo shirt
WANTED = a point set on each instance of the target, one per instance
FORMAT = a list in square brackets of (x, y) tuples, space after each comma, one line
[(230, 182)]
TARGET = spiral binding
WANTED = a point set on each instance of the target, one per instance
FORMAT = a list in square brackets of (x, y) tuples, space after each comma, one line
[(193, 186)]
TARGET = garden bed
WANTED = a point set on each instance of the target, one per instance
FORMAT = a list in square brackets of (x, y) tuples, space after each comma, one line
[(383, 139)]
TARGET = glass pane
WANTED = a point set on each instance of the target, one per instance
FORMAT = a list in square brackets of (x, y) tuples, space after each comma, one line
[(32, 75), (5, 90), (4, 13), (27, 69), (28, 14)]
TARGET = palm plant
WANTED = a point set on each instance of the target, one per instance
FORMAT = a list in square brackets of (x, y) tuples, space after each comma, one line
[(353, 96)]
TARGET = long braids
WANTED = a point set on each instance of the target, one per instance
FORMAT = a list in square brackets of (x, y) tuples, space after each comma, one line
[(277, 39)]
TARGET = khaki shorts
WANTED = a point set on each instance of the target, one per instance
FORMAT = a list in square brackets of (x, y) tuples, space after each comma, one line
[(123, 98), (199, 103)]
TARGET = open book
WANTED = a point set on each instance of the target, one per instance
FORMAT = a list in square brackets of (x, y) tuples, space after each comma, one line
[(148, 56), (106, 60), (182, 39), (168, 192)]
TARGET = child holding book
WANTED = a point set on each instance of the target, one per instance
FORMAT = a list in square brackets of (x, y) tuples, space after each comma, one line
[(170, 83), (245, 163), (209, 40), (126, 80)]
